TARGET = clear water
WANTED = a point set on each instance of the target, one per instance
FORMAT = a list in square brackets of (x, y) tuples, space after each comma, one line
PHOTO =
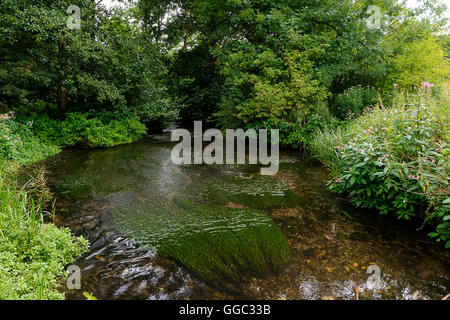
[(133, 205)]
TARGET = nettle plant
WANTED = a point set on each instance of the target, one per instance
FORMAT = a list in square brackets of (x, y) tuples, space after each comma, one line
[(396, 161)]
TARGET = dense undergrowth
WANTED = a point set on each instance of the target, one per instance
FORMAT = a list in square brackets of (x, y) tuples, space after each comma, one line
[(394, 160), (30, 140), (33, 254)]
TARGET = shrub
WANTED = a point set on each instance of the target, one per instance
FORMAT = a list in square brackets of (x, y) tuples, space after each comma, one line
[(115, 132), (102, 131), (293, 134), (18, 145), (395, 161), (352, 102), (9, 137)]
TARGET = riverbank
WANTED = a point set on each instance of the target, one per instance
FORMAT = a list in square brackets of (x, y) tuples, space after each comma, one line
[(394, 160), (34, 253)]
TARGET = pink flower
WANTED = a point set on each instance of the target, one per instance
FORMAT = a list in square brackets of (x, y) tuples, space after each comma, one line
[(427, 85)]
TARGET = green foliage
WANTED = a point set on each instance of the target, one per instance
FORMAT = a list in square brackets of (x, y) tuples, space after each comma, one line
[(108, 64), (195, 80), (353, 101), (394, 160), (89, 296), (278, 62), (421, 60), (29, 141), (9, 137), (442, 214), (293, 134), (32, 254), (18, 145), (77, 128)]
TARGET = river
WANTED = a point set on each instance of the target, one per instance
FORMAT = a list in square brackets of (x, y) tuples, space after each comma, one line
[(160, 231)]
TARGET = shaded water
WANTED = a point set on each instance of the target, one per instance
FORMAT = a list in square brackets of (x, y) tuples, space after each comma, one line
[(160, 231)]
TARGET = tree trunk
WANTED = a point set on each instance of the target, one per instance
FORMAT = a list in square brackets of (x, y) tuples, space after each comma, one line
[(61, 92), (62, 99)]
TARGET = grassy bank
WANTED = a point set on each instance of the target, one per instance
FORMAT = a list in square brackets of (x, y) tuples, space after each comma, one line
[(394, 160), (33, 254)]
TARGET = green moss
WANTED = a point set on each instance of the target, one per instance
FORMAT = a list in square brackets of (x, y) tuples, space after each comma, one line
[(231, 256), (221, 245), (205, 218)]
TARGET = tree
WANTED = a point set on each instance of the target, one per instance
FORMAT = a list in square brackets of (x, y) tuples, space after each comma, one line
[(106, 65)]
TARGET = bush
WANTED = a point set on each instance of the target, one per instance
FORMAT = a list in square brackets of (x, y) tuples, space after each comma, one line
[(352, 102), (293, 134), (9, 137), (395, 161), (103, 131), (42, 137), (18, 145)]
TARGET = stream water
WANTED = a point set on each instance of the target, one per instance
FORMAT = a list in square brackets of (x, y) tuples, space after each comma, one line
[(160, 231)]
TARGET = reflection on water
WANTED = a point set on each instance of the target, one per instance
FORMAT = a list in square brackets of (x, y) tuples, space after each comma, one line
[(131, 202)]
